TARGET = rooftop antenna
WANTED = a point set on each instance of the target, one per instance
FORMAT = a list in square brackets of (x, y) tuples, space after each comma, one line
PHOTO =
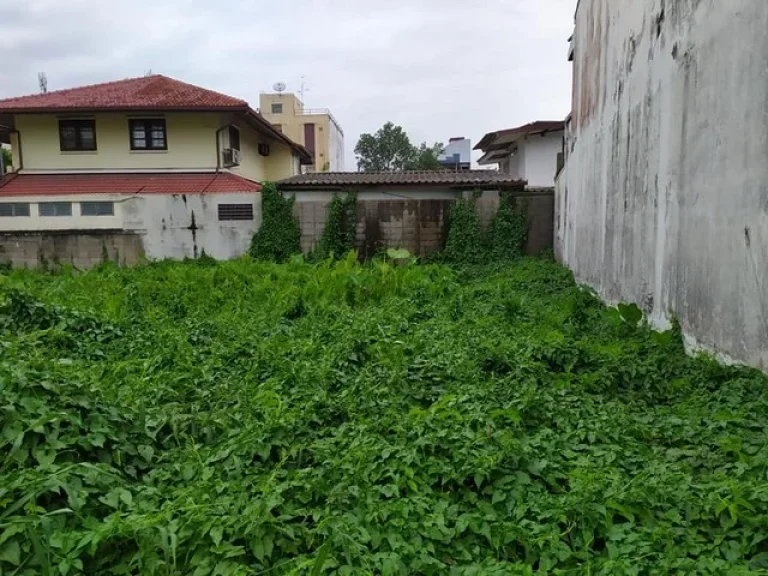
[(42, 81), (279, 87), (148, 73), (303, 88)]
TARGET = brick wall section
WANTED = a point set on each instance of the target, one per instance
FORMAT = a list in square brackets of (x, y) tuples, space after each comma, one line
[(80, 249)]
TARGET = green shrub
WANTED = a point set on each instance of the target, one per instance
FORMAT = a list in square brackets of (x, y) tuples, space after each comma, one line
[(507, 232), (464, 244), (339, 234), (279, 236)]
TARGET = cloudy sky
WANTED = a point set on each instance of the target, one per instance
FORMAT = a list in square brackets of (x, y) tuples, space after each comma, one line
[(439, 68)]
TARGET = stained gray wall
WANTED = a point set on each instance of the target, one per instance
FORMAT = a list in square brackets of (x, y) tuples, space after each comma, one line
[(664, 200)]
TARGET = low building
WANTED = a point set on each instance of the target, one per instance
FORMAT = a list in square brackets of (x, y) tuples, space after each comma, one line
[(532, 152), (457, 155), (147, 166), (315, 128), (410, 209)]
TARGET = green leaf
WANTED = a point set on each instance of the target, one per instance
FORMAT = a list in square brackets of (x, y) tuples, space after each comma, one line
[(11, 553), (216, 533)]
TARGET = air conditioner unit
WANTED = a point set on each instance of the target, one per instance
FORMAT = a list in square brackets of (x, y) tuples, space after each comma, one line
[(231, 157), (263, 149)]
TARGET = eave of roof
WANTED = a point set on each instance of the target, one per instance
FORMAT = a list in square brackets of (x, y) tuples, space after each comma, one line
[(510, 135), (16, 184), (485, 179)]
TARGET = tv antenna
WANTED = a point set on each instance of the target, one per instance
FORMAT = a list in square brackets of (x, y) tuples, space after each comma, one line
[(42, 81), (279, 87), (303, 88)]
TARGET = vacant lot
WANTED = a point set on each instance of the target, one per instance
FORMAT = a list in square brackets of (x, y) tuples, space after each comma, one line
[(243, 418)]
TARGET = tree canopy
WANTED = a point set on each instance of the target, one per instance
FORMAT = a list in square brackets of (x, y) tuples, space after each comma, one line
[(390, 150)]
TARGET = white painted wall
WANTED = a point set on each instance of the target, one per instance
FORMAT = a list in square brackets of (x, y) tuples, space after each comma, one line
[(163, 220), (541, 158), (664, 201), (336, 148)]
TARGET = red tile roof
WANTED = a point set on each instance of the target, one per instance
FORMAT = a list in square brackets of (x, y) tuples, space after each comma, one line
[(510, 134), (155, 92), (71, 184), (466, 179)]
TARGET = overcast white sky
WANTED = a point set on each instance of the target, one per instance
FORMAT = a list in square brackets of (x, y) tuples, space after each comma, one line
[(439, 68)]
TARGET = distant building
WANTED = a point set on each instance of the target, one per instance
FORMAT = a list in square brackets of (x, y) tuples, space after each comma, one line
[(457, 155), (532, 152), (315, 128)]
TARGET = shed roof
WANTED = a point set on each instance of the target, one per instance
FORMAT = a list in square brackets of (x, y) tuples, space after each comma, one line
[(489, 179)]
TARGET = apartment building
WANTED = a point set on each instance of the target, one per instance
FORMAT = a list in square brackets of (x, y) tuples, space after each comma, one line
[(315, 128)]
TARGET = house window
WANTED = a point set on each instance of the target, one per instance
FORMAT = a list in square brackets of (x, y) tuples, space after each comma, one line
[(277, 108), (234, 138), (77, 135), (148, 134), (235, 212), (8, 209), (97, 208), (55, 208)]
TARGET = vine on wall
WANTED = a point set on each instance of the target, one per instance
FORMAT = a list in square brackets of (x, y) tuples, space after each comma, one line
[(279, 236), (338, 237), (465, 242), (508, 231)]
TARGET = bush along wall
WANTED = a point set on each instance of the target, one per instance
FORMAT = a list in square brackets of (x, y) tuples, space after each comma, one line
[(279, 236), (465, 241), (338, 236), (508, 231)]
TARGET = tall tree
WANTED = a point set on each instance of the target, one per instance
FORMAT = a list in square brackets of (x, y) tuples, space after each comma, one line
[(425, 157), (388, 150)]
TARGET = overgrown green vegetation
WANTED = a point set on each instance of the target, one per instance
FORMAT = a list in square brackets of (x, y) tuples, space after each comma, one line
[(338, 238), (508, 230), (279, 236), (503, 240), (247, 418)]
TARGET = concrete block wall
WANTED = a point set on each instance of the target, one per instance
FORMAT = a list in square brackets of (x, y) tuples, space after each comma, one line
[(80, 249)]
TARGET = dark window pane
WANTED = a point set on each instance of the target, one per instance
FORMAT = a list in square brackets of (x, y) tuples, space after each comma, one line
[(6, 210), (148, 135), (277, 108), (234, 138), (21, 209), (77, 135), (97, 208), (55, 209)]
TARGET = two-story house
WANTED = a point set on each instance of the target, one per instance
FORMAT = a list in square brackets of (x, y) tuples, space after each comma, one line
[(145, 166)]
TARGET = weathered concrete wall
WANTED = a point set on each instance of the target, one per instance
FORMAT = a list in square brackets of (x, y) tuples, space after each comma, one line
[(82, 249), (417, 220), (665, 198), (184, 225)]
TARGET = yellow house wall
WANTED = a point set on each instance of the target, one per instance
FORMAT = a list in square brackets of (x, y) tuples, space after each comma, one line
[(191, 146)]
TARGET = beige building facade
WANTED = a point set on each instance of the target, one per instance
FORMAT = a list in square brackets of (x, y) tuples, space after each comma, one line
[(316, 129)]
